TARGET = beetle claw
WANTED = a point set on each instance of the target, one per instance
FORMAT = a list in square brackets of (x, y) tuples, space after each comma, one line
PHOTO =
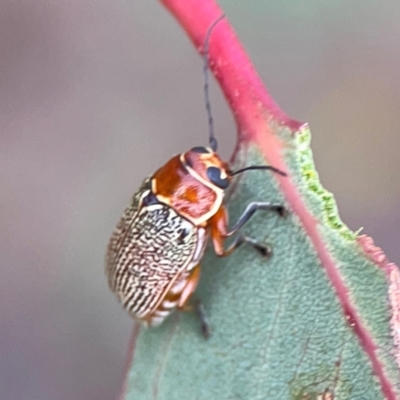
[(282, 211), (205, 330), (264, 249)]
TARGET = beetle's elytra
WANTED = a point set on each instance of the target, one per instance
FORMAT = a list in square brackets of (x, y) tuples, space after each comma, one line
[(153, 257)]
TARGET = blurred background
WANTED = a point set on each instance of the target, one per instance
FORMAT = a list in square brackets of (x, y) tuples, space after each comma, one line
[(96, 95)]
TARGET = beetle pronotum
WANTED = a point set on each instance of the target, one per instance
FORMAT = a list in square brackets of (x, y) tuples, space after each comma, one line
[(153, 257)]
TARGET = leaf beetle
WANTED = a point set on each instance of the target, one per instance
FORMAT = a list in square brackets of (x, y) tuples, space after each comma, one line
[(153, 256)]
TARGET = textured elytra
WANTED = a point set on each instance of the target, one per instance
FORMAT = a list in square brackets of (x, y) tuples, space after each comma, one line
[(121, 229), (150, 249)]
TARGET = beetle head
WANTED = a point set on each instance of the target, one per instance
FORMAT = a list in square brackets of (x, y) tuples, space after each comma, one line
[(208, 165)]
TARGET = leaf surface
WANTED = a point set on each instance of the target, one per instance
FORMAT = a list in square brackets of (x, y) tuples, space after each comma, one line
[(280, 330), (319, 320)]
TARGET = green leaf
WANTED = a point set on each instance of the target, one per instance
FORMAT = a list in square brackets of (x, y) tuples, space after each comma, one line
[(281, 328), (317, 321)]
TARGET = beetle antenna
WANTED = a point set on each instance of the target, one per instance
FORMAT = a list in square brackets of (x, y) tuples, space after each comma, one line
[(212, 140), (253, 167)]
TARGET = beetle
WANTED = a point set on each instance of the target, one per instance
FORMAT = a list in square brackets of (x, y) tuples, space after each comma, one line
[(153, 256)]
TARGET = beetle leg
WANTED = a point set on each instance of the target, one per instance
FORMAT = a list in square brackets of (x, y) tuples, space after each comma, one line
[(184, 303), (205, 326), (251, 209), (198, 308), (191, 283), (263, 249), (219, 232)]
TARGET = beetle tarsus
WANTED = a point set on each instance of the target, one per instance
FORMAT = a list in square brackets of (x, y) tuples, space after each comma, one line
[(204, 325), (251, 210), (281, 210), (264, 249)]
